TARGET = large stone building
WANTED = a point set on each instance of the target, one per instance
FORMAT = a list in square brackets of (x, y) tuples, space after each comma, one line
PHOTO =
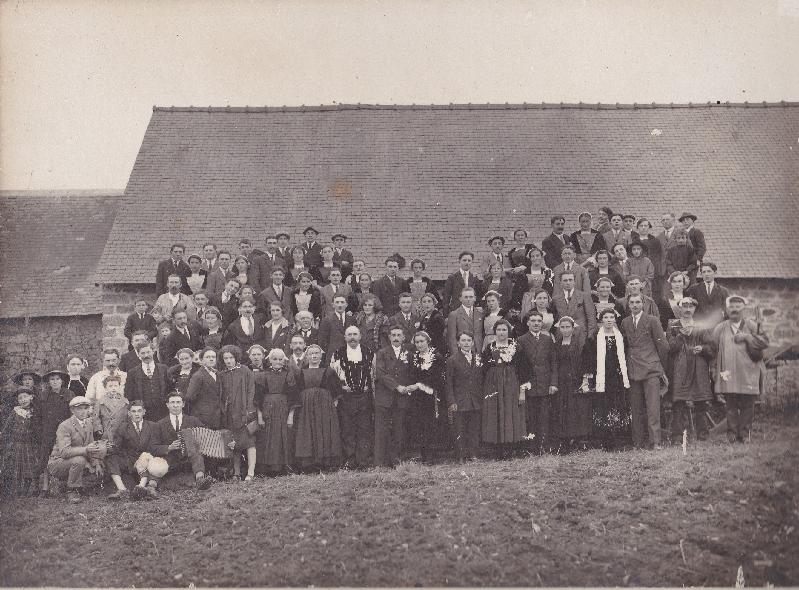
[(50, 243), (428, 181)]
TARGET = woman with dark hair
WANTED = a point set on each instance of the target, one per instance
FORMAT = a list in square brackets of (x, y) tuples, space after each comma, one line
[(419, 285), (538, 276), (603, 298), (305, 297), (602, 268), (77, 382), (296, 267), (178, 376), (606, 366), (432, 321), (322, 272), (204, 395), (499, 283), (277, 331), (574, 409), (243, 271), (655, 254), (360, 290), (540, 301), (669, 304), (372, 323), (425, 411), (504, 413), (238, 415), (493, 313), (318, 440), (197, 279), (212, 335)]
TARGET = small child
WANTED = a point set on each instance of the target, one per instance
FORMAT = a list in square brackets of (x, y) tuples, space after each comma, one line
[(112, 410), (140, 319), (19, 458), (681, 256)]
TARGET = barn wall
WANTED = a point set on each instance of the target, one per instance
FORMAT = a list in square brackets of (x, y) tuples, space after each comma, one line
[(43, 343)]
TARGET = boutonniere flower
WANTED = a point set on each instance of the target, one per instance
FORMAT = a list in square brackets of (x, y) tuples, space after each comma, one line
[(403, 357), (417, 324)]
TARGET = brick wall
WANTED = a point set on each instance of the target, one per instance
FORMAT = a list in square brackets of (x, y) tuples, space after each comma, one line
[(44, 343), (118, 301)]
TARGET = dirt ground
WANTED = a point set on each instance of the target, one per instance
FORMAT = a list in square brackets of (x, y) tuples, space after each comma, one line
[(593, 518)]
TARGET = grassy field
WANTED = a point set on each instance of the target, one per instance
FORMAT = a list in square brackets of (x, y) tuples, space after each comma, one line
[(591, 518)]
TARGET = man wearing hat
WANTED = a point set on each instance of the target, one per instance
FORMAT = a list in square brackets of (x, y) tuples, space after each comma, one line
[(75, 450), (739, 373), (50, 408), (695, 235), (496, 256), (342, 257), (311, 249)]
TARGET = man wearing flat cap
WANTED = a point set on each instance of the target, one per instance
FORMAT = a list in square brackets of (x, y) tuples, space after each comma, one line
[(496, 256), (75, 451), (342, 257), (311, 249), (739, 373)]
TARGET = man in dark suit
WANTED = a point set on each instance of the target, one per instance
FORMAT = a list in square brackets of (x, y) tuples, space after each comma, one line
[(148, 381), (538, 375), (132, 453), (695, 235), (168, 443), (217, 278), (342, 257), (710, 296), (464, 391), (392, 395), (182, 336), (210, 259), (131, 358), (272, 258), (389, 286), (284, 248), (311, 249), (406, 318), (468, 319), (647, 353), (333, 326), (244, 331), (259, 271), (554, 242), (276, 291), (140, 320), (303, 325), (617, 234), (628, 224), (204, 394), (575, 304), (174, 265), (227, 303), (457, 281)]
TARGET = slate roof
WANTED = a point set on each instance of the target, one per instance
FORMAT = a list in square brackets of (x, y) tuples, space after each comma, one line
[(50, 243), (429, 181)]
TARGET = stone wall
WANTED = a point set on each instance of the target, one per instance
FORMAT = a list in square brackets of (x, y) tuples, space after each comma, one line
[(779, 304), (118, 301), (43, 343)]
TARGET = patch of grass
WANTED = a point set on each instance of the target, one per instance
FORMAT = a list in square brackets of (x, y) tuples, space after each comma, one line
[(590, 518)]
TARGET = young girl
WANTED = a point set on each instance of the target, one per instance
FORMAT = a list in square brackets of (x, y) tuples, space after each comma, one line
[(275, 415), (112, 410), (238, 416), (19, 452), (51, 408), (318, 442)]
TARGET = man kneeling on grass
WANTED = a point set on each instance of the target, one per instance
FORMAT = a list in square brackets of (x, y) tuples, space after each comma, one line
[(134, 442), (75, 450), (168, 443)]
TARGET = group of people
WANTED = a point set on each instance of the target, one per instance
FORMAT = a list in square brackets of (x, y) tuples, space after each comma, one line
[(298, 358)]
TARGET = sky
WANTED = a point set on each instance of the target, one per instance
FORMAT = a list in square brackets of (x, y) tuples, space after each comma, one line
[(79, 78)]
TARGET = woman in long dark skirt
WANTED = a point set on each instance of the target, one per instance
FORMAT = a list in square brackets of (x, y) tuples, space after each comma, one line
[(606, 363), (275, 415), (318, 440), (19, 442), (425, 414), (504, 419), (238, 395), (574, 409)]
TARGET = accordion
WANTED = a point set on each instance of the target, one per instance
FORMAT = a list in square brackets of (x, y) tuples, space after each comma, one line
[(206, 442)]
